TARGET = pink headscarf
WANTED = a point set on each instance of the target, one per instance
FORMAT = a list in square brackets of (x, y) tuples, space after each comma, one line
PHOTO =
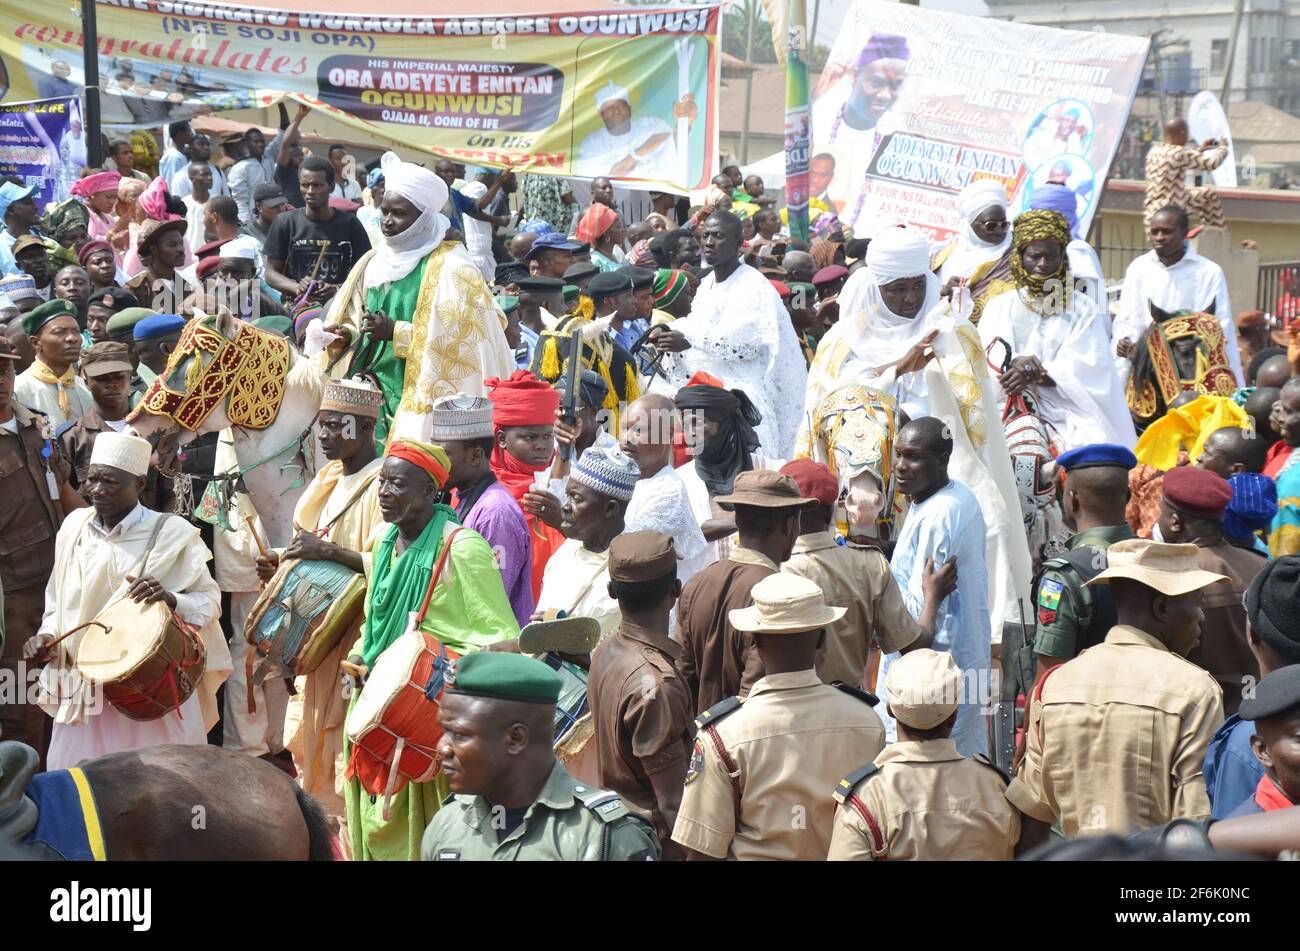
[(595, 221), (154, 201), (94, 184)]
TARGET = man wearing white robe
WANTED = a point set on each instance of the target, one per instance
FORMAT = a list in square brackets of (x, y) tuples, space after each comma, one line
[(933, 364), (1081, 394), (113, 550), (739, 331), (626, 147)]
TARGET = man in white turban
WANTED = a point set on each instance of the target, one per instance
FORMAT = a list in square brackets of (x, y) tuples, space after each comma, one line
[(980, 253), (898, 335), (415, 314), (631, 148), (118, 550)]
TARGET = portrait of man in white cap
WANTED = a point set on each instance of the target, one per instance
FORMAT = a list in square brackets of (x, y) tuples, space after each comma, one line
[(628, 146)]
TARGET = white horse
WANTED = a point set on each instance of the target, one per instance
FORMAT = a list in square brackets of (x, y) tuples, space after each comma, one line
[(277, 453)]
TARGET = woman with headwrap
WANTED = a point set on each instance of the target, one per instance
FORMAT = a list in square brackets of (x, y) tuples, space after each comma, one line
[(414, 313), (980, 253), (599, 227), (1085, 266), (98, 192), (129, 216), (152, 204), (1059, 345), (897, 335), (718, 429)]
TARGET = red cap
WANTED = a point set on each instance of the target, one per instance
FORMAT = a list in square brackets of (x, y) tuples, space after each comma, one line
[(522, 400), (1197, 492), (782, 288), (205, 266), (814, 479)]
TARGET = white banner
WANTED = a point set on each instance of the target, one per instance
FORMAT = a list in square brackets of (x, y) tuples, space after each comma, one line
[(915, 104)]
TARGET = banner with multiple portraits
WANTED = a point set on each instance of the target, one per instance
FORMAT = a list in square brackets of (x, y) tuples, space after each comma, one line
[(628, 93), (915, 104)]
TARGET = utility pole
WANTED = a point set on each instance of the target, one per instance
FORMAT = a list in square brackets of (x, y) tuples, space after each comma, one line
[(812, 34), (1232, 53), (90, 65), (752, 10)]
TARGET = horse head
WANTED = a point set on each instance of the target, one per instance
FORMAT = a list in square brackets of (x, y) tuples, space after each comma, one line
[(224, 372), (853, 433)]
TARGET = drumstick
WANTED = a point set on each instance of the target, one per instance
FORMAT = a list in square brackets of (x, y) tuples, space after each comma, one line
[(356, 670), (252, 527)]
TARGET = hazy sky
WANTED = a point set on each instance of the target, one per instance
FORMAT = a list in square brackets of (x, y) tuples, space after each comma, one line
[(833, 11)]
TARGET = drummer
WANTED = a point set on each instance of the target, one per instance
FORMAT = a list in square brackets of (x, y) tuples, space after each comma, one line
[(118, 549), (468, 610), (336, 519)]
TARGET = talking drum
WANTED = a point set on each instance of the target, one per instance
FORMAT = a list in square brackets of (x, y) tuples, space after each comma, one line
[(305, 610), (393, 725), (147, 660)]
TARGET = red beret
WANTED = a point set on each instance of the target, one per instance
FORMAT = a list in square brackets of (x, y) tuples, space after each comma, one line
[(522, 400), (782, 288), (205, 266), (814, 479), (1197, 492), (210, 250)]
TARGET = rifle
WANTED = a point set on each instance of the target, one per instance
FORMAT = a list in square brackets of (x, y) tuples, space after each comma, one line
[(1015, 642), (569, 404)]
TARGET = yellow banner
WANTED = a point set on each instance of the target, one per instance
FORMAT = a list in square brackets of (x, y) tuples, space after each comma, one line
[(628, 93)]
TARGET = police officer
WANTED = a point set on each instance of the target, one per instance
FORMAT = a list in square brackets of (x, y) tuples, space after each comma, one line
[(511, 799), (1071, 616), (921, 799), (759, 770)]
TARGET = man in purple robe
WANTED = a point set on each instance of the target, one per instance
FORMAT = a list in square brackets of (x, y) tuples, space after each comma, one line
[(462, 426)]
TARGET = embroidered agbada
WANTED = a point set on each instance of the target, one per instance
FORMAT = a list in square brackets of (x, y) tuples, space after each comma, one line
[(861, 349), (349, 506), (449, 336), (90, 567), (468, 610), (740, 331)]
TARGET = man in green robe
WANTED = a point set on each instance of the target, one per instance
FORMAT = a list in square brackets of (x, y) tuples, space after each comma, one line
[(415, 313), (468, 610)]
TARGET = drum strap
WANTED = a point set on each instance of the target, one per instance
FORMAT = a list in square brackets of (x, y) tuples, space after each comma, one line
[(437, 572), (353, 500)]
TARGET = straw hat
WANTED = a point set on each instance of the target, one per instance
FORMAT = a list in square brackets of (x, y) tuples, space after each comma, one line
[(1170, 569), (785, 604)]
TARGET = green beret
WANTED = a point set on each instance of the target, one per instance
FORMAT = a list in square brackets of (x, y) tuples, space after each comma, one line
[(121, 326), (505, 677), (571, 293), (276, 324), (38, 317), (508, 303)]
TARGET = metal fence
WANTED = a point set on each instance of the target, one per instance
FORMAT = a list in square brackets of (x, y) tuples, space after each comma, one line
[(1118, 244), (1279, 289)]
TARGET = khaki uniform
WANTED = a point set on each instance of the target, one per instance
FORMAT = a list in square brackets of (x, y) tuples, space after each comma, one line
[(858, 578), (789, 741), (1116, 738), (569, 822), (924, 800)]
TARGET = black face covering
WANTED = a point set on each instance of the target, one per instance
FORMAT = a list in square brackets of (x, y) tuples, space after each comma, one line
[(730, 451)]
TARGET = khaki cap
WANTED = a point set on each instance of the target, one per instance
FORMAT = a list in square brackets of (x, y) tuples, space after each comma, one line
[(785, 604), (923, 688), (1170, 569), (765, 488), (642, 556)]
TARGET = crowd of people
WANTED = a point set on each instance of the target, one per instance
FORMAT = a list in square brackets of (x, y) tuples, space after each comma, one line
[(728, 544)]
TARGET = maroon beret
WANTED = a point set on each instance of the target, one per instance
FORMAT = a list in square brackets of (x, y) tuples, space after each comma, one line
[(814, 479), (1197, 492)]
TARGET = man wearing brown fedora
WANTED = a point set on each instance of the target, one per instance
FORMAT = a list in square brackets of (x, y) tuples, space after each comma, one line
[(760, 770), (717, 660), (1116, 737)]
